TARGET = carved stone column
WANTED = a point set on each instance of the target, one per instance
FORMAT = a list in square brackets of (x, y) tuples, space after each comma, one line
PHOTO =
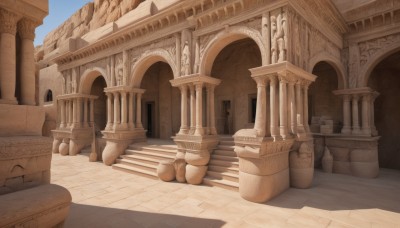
[(261, 108), (117, 111), (299, 109), (274, 107), (69, 111), (74, 112), (91, 101), (85, 112), (283, 114), (292, 105), (372, 113), (192, 109), (79, 112), (26, 29), (346, 115), (124, 110), (366, 127), (110, 108), (356, 125), (139, 111), (62, 113), (210, 91), (131, 103), (199, 109), (8, 29), (184, 110), (305, 107)]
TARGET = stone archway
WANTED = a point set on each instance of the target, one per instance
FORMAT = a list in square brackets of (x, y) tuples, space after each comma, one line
[(384, 78)]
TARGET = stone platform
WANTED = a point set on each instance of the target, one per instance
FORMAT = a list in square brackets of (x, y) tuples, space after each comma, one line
[(103, 197)]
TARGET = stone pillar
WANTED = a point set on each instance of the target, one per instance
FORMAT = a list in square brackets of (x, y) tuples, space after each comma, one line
[(74, 112), (69, 111), (79, 112), (346, 115), (117, 111), (210, 91), (261, 108), (131, 103), (85, 112), (62, 114), (8, 29), (300, 114), (139, 111), (356, 125), (305, 107), (184, 110), (91, 101), (274, 107), (283, 114), (293, 111), (192, 109), (110, 108), (372, 113), (366, 127), (199, 109), (124, 110), (26, 30)]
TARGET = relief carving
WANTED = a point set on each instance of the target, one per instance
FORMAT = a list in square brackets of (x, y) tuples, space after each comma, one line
[(185, 60), (371, 47), (278, 37)]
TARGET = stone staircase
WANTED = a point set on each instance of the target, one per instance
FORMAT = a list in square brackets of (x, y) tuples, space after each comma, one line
[(142, 158), (223, 169)]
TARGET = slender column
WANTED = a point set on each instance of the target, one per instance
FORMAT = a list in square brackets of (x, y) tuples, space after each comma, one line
[(199, 109), (283, 117), (192, 109), (372, 113), (184, 110), (109, 111), (305, 107), (67, 112), (273, 107), (261, 108), (112, 73), (117, 111), (346, 115), (8, 29), (85, 112), (124, 110), (79, 112), (91, 117), (26, 29), (62, 114), (293, 111), (131, 103), (210, 91), (74, 112), (356, 125), (208, 116), (299, 103), (139, 111), (366, 127)]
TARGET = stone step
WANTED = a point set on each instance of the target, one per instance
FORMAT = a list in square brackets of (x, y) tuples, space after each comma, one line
[(223, 163), (226, 143), (225, 138), (230, 185), (170, 152), (222, 169), (227, 153), (223, 176), (224, 158), (149, 154), (138, 164), (133, 170), (225, 147), (146, 160)]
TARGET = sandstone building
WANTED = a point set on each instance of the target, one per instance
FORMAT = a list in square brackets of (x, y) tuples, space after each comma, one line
[(287, 79)]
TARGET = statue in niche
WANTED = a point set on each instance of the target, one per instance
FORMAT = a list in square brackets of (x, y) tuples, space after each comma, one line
[(119, 76), (278, 35), (73, 86), (185, 61)]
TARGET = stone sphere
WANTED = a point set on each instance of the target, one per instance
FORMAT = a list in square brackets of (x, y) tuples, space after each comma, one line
[(166, 171), (56, 146), (64, 149), (195, 174)]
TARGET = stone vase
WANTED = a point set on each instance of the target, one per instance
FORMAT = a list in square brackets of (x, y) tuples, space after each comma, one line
[(327, 161), (166, 171)]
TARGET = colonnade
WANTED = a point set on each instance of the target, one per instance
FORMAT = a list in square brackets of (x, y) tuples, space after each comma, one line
[(288, 106), (352, 110), (76, 111), (10, 24), (124, 108)]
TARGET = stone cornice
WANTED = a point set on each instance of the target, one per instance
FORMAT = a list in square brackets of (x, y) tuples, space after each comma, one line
[(123, 89), (34, 10), (74, 96), (285, 69), (194, 78), (363, 90)]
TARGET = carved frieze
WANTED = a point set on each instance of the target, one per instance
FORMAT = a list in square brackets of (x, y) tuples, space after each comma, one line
[(370, 47)]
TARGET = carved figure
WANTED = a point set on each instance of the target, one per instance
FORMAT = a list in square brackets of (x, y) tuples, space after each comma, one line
[(185, 60), (73, 86), (119, 76), (279, 39)]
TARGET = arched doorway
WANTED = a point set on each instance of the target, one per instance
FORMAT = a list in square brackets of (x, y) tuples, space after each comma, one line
[(325, 108), (100, 104), (160, 102), (235, 97), (385, 79)]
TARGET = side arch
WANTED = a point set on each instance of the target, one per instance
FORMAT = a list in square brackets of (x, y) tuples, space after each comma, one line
[(378, 57), (146, 60), (335, 63), (88, 77), (223, 39)]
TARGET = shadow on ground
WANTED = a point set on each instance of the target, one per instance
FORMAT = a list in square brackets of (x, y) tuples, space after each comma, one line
[(81, 215)]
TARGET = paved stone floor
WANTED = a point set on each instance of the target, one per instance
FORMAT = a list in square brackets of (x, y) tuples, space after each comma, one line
[(103, 197)]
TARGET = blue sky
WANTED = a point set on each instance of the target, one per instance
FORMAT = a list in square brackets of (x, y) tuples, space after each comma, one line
[(59, 11)]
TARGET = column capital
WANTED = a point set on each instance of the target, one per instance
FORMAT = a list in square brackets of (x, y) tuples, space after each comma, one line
[(26, 29), (355, 96), (183, 87), (261, 81), (8, 22), (198, 85), (273, 79)]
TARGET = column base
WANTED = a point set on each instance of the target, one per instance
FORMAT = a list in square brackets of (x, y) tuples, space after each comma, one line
[(346, 130), (199, 131), (11, 102)]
